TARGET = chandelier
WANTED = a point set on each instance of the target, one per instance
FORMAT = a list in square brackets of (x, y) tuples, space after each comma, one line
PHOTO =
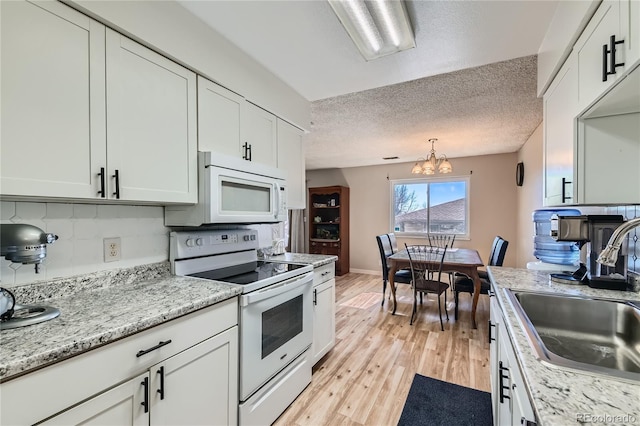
[(429, 166)]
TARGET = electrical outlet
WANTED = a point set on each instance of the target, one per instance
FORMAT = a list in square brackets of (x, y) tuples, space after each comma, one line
[(112, 249)]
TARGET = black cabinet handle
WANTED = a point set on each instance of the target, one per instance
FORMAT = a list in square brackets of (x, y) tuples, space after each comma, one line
[(501, 383), (610, 50), (161, 390), (158, 346), (315, 296), (117, 177), (605, 70), (145, 402), (102, 192), (491, 339), (245, 153), (565, 182), (249, 152)]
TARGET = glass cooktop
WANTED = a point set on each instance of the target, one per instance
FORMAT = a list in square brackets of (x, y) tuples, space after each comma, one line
[(248, 273)]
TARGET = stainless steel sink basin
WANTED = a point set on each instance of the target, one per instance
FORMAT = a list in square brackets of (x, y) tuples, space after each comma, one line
[(591, 334)]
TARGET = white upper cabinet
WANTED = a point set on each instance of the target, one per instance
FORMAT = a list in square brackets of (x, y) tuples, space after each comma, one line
[(291, 159), (219, 119), (230, 125), (560, 104), (259, 133), (151, 125), (89, 114), (607, 48), (53, 101)]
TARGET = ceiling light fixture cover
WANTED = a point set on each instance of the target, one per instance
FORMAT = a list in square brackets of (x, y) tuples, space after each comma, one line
[(432, 163), (377, 27)]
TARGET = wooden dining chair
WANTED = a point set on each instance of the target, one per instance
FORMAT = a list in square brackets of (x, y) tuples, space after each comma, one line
[(402, 276), (464, 284), (426, 273)]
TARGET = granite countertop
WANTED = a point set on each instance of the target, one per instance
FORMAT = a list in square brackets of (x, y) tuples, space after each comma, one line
[(97, 309), (316, 260), (563, 396)]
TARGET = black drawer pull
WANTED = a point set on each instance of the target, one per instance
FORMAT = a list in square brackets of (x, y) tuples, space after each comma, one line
[(491, 338), (501, 384), (158, 346)]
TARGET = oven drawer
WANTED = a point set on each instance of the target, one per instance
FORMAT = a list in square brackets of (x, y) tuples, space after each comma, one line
[(324, 273)]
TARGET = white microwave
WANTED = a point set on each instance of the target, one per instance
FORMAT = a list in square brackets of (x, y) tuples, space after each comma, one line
[(232, 190)]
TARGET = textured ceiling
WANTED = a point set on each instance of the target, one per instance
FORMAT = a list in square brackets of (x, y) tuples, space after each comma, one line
[(481, 110), (484, 110)]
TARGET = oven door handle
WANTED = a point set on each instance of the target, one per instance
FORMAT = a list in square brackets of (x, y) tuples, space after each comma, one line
[(276, 289)]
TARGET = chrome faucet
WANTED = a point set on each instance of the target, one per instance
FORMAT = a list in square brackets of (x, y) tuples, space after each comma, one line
[(609, 255)]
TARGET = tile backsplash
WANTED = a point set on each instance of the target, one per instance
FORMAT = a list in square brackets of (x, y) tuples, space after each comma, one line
[(81, 229)]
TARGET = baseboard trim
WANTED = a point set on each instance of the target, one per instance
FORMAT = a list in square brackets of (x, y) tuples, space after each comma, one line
[(365, 271)]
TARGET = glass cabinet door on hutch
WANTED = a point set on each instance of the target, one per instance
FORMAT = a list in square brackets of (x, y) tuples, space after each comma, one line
[(329, 224)]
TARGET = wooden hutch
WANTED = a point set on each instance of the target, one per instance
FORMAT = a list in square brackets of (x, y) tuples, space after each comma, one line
[(329, 224)]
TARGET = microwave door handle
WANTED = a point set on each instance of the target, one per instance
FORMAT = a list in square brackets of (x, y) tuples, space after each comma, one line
[(276, 210)]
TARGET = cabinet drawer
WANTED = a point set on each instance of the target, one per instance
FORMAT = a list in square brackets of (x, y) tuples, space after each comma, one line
[(71, 381), (323, 273)]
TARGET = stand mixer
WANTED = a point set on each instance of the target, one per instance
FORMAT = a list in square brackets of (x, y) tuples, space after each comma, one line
[(26, 244)]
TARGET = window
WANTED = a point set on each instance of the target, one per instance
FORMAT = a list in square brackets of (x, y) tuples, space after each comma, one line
[(432, 205)]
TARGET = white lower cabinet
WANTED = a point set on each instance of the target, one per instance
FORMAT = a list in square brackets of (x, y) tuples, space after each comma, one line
[(182, 372), (509, 397), (324, 311)]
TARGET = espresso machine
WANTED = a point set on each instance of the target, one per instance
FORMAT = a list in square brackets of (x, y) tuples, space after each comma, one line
[(592, 233)]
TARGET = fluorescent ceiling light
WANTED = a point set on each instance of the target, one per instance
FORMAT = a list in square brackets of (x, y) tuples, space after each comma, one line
[(377, 27)]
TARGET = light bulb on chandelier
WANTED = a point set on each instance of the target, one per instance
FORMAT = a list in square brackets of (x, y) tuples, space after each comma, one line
[(432, 163)]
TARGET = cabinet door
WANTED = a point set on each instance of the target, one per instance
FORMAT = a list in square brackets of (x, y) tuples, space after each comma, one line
[(53, 101), (560, 110), (494, 325), (219, 114), (591, 60), (630, 17), (504, 381), (324, 319), (122, 405), (151, 124), (259, 131), (198, 386), (291, 159)]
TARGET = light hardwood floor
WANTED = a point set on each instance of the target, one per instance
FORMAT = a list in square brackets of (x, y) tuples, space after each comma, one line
[(365, 378)]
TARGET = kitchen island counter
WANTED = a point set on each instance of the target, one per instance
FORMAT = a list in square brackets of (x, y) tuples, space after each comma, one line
[(563, 396), (97, 309)]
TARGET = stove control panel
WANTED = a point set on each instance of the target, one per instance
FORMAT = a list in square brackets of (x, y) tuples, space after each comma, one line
[(187, 244)]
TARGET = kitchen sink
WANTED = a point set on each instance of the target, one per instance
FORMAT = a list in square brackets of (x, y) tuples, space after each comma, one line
[(595, 335)]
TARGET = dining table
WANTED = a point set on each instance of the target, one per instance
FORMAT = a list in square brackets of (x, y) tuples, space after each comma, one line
[(462, 260)]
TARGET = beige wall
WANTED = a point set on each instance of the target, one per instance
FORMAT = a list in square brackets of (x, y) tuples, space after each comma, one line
[(529, 196), (493, 202)]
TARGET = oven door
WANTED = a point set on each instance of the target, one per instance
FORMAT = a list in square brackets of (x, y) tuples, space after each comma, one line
[(275, 327)]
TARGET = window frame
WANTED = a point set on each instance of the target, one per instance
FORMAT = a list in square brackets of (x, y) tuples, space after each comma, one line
[(429, 180)]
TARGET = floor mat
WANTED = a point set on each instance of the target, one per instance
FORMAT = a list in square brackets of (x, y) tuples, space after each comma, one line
[(434, 402)]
